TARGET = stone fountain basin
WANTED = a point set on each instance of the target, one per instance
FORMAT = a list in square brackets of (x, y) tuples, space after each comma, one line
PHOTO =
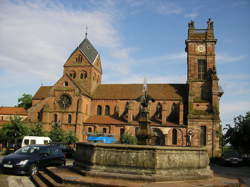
[(142, 162)]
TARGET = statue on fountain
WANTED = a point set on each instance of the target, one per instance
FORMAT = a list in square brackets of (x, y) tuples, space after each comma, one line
[(144, 133)]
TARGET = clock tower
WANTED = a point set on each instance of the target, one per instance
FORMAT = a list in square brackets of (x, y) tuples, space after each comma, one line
[(204, 91)]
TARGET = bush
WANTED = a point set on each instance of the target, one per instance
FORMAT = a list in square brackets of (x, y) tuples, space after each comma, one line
[(127, 138)]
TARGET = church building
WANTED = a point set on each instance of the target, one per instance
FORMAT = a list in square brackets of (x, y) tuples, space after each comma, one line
[(182, 114)]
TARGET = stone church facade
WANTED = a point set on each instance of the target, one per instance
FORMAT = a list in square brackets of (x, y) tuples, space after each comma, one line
[(181, 113)]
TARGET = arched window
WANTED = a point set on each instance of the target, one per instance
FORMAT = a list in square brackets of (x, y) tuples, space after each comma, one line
[(72, 74), (122, 131), (83, 75), (66, 83), (55, 117), (174, 137), (40, 115), (202, 68), (79, 58), (107, 110), (99, 110), (104, 130), (69, 118), (89, 130), (203, 134), (158, 110)]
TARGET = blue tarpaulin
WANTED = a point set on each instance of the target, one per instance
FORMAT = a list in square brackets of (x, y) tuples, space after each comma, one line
[(102, 139)]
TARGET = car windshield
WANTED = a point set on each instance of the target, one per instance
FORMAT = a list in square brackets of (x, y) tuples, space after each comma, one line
[(232, 154), (28, 150)]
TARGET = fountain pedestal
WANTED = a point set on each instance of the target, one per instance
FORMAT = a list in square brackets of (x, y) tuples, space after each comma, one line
[(144, 133)]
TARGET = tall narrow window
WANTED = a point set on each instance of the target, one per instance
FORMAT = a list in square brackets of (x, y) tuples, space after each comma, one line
[(40, 115), (79, 58), (69, 118), (202, 68), (72, 74), (89, 130), (174, 137), (66, 83), (83, 75), (104, 130), (107, 110), (203, 134), (55, 117), (122, 131), (99, 110)]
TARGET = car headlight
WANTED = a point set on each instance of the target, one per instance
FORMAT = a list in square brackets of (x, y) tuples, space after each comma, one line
[(22, 163)]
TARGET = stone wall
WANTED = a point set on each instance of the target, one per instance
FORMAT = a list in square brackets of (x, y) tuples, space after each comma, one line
[(143, 162)]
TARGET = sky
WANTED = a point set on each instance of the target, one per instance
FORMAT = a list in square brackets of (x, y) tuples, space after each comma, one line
[(135, 39)]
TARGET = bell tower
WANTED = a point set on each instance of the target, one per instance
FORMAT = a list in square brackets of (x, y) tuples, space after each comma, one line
[(84, 66), (204, 91)]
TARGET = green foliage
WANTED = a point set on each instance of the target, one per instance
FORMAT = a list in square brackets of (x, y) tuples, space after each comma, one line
[(14, 130), (57, 134), (37, 130), (239, 135), (25, 101), (70, 138), (127, 138)]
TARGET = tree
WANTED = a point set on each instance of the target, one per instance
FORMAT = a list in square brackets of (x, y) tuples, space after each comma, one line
[(14, 131), (25, 101), (56, 134), (128, 139), (239, 135), (37, 130), (70, 138)]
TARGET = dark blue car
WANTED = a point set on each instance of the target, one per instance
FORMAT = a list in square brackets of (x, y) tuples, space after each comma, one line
[(28, 159)]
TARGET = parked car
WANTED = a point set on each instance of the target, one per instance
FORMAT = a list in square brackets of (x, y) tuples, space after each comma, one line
[(232, 159), (66, 149), (27, 160)]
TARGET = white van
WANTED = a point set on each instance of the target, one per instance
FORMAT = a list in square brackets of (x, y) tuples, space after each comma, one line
[(29, 140)]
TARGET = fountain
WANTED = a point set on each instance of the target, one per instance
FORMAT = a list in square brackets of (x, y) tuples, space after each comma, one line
[(142, 162)]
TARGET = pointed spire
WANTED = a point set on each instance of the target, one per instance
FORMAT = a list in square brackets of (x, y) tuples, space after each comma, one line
[(86, 31)]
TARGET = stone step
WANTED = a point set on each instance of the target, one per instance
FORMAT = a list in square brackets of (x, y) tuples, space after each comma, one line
[(49, 181), (37, 181), (68, 176)]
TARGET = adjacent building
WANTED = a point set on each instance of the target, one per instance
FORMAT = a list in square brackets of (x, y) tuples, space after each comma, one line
[(181, 113), (6, 113)]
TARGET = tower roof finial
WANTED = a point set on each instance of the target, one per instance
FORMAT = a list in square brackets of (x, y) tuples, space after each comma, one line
[(86, 31)]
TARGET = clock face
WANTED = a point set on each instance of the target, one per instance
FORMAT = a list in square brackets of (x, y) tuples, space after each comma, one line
[(201, 48), (64, 101)]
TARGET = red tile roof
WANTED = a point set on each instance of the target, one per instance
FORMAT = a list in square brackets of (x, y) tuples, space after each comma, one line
[(129, 91), (13, 111), (103, 120), (42, 92), (133, 91)]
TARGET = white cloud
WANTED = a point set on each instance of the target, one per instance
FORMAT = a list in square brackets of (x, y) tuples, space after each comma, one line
[(169, 8), (37, 37), (191, 15), (229, 110), (226, 58)]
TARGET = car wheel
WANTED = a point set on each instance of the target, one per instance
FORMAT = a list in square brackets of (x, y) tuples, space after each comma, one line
[(33, 169)]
